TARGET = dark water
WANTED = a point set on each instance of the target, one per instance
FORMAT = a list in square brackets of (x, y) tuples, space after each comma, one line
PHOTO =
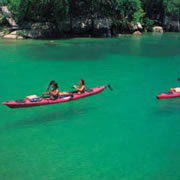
[(125, 134)]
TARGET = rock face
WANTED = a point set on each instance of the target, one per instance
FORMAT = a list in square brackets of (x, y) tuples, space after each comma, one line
[(39, 31), (81, 25), (43, 30), (1, 34), (102, 26), (158, 29), (172, 25), (8, 16), (87, 26)]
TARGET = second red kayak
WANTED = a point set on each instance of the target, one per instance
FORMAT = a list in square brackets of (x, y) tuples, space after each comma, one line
[(46, 101), (168, 95)]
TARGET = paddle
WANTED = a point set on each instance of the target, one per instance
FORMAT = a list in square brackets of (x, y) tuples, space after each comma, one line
[(50, 84), (109, 86)]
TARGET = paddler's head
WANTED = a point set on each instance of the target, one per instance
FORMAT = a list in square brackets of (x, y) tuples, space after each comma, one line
[(55, 85), (81, 82)]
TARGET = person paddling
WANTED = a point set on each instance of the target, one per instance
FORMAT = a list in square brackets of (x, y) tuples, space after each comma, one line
[(81, 88), (177, 89), (54, 92)]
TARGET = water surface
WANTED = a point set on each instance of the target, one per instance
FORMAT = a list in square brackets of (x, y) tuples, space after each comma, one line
[(124, 134)]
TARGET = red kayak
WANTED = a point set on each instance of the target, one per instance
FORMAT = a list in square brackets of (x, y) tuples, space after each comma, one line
[(168, 95), (45, 101)]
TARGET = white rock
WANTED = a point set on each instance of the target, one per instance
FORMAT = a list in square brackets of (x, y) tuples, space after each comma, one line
[(9, 36), (158, 29), (137, 33)]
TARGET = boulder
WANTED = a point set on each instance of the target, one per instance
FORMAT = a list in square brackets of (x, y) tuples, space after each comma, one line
[(137, 33), (13, 35), (137, 26), (102, 27), (158, 29), (9, 36)]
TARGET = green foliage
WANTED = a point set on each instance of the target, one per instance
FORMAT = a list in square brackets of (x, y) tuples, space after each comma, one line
[(127, 12), (149, 23), (38, 10), (124, 13), (172, 8)]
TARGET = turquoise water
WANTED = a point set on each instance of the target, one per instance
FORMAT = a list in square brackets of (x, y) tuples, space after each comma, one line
[(126, 134)]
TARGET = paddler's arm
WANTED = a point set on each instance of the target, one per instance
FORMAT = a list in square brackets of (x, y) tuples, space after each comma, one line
[(54, 93), (82, 88), (46, 93)]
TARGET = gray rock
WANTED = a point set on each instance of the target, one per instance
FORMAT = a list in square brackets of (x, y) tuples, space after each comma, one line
[(41, 30), (1, 34), (172, 25), (81, 25)]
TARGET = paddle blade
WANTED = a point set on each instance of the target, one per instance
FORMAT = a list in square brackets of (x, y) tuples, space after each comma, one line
[(109, 86)]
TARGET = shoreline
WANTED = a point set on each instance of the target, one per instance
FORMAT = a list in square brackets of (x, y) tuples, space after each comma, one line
[(14, 36)]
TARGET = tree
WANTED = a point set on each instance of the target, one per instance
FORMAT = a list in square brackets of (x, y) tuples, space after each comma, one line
[(127, 13)]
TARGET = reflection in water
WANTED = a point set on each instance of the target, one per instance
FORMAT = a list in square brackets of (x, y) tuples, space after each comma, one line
[(48, 117), (147, 46), (168, 106)]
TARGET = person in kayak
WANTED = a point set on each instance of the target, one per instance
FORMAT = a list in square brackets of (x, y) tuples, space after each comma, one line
[(54, 92), (177, 89), (81, 88), (51, 84)]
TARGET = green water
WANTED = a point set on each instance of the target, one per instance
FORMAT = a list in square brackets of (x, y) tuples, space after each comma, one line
[(126, 134)]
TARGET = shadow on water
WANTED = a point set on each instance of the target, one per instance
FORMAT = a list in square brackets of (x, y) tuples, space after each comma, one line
[(49, 117), (168, 107), (81, 49)]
